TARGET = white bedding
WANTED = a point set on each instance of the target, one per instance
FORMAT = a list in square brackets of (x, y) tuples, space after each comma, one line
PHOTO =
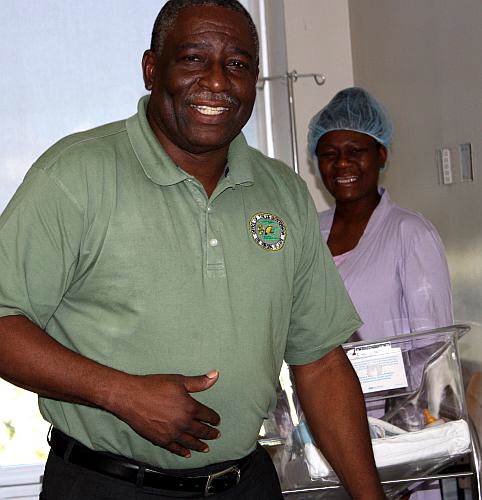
[(439, 441), (444, 440)]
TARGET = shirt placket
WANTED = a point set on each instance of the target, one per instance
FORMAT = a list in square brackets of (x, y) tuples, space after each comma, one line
[(211, 231)]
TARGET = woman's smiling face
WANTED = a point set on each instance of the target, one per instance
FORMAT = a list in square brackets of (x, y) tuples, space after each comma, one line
[(350, 164)]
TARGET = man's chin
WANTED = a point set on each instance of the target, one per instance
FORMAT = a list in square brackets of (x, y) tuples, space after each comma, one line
[(208, 144)]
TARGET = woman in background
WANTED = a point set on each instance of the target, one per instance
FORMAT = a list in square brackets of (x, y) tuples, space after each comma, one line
[(391, 259)]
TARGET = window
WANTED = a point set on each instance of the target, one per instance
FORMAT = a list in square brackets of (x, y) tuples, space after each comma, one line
[(66, 67)]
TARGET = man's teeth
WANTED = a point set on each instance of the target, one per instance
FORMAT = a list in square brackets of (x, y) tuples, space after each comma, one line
[(346, 180), (209, 110)]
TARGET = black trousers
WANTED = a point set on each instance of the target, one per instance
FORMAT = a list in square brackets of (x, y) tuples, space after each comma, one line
[(65, 481)]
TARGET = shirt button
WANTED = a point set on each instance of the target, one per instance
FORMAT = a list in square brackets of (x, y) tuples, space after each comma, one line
[(210, 209), (213, 242)]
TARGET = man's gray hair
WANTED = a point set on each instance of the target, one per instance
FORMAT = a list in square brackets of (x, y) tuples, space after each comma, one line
[(168, 14)]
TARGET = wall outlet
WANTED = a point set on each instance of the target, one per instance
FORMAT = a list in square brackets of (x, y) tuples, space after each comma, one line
[(466, 169), (446, 166)]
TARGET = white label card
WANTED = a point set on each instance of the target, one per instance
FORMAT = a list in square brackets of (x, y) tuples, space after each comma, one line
[(379, 367)]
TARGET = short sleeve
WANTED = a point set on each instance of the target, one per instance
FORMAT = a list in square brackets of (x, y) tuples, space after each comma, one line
[(40, 232), (322, 316)]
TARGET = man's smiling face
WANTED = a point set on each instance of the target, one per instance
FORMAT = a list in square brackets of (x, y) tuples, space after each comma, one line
[(203, 81)]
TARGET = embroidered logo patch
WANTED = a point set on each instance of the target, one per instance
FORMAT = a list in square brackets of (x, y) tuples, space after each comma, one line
[(268, 231)]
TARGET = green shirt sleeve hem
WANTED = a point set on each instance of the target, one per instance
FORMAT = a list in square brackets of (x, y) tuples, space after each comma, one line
[(11, 311), (305, 357)]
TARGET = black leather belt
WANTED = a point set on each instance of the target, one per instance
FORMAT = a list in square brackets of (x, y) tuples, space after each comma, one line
[(76, 453)]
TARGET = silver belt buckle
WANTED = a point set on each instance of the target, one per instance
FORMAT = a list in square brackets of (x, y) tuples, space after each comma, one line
[(219, 474)]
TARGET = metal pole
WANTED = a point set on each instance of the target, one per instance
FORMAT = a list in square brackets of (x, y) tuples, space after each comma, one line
[(291, 77), (476, 462)]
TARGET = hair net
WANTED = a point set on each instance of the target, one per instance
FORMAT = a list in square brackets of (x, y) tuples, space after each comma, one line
[(351, 109)]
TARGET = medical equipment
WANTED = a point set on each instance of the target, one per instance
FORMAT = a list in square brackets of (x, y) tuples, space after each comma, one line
[(291, 77), (424, 432)]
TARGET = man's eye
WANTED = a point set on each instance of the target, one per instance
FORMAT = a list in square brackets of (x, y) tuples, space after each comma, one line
[(326, 154), (238, 64), (191, 58)]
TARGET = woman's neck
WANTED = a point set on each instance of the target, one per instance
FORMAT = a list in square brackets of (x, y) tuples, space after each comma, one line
[(354, 212), (349, 223)]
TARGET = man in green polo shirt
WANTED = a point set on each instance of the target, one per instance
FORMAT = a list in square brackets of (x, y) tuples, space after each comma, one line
[(156, 272)]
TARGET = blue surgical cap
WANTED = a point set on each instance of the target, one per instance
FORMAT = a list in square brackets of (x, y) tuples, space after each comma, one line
[(351, 109)]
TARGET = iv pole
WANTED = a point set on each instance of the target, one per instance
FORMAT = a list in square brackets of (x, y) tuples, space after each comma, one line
[(290, 78)]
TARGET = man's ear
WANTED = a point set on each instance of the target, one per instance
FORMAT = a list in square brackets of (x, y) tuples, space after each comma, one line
[(148, 68)]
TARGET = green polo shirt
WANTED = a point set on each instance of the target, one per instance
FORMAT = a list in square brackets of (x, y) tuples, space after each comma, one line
[(119, 255)]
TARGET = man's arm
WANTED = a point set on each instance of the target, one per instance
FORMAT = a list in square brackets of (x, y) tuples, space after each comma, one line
[(158, 407), (332, 401)]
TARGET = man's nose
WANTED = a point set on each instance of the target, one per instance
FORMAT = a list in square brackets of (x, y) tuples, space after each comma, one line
[(215, 78)]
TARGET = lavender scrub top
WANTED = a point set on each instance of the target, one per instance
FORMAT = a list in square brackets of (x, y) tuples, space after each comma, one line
[(397, 275)]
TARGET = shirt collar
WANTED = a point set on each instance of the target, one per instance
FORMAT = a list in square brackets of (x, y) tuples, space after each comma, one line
[(376, 217), (161, 169), (156, 163), (380, 212), (240, 161)]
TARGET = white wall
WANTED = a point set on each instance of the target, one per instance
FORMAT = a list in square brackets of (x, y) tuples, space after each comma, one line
[(423, 60), (318, 41)]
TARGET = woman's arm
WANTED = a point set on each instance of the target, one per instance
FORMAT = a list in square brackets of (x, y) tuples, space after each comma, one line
[(425, 279)]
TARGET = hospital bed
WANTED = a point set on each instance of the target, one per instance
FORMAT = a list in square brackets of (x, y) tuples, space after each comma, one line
[(418, 419)]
